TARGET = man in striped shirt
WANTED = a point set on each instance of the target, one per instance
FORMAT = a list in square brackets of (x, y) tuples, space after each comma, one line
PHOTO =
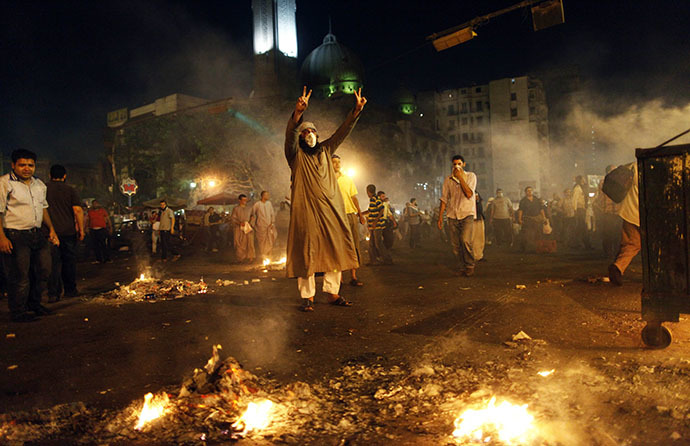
[(378, 253)]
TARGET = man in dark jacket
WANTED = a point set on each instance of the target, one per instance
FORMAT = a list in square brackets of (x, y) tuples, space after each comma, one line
[(67, 216)]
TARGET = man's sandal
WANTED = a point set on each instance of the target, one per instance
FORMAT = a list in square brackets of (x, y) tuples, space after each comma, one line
[(307, 306), (340, 302), (355, 282)]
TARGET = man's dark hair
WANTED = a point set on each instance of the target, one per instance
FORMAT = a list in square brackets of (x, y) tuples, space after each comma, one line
[(263, 192), (371, 188), (335, 155), (57, 171), (528, 187), (23, 154), (458, 157), (379, 193), (412, 200), (163, 201), (241, 196)]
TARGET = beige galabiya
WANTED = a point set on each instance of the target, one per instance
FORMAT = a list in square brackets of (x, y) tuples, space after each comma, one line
[(319, 238)]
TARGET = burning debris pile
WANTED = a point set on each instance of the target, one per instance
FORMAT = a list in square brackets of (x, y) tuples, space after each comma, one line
[(472, 401), (149, 289)]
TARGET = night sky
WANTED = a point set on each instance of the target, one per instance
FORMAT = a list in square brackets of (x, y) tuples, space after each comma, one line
[(65, 64)]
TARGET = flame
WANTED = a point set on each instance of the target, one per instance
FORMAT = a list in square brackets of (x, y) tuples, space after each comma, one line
[(510, 422), (266, 262), (256, 417), (546, 372), (282, 261), (367, 238), (153, 408)]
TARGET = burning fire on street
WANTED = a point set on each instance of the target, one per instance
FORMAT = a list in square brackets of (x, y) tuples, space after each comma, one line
[(154, 407), (278, 265), (256, 417), (509, 423)]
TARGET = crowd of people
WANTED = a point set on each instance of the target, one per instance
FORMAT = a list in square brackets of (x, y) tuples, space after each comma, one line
[(42, 225)]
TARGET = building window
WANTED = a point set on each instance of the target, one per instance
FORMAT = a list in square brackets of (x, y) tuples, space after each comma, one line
[(464, 108), (480, 120), (451, 124), (464, 121), (452, 139), (480, 152), (465, 137), (451, 110), (531, 94), (463, 91), (480, 137), (478, 90), (532, 110), (513, 112), (479, 106), (513, 96), (482, 168)]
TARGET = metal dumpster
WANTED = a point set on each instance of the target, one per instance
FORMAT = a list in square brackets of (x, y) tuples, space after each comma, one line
[(664, 186)]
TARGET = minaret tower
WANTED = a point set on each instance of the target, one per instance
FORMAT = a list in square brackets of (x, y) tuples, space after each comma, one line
[(275, 48)]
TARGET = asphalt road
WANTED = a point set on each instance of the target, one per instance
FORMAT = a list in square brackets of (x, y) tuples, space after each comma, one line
[(107, 356)]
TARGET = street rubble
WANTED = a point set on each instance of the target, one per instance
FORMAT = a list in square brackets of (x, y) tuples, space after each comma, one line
[(150, 289), (603, 401)]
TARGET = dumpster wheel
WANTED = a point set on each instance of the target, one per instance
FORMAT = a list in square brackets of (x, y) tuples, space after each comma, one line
[(655, 335)]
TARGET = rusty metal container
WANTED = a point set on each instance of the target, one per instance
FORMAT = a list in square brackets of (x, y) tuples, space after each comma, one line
[(664, 186)]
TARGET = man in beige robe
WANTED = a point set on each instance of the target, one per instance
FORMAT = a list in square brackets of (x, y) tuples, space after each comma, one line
[(263, 221), (242, 231), (319, 238)]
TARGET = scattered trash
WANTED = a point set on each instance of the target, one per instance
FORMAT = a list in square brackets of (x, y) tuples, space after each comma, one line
[(420, 287), (86, 319), (12, 367), (520, 336), (10, 335), (520, 287)]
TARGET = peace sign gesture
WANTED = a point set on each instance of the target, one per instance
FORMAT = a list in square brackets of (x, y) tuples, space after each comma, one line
[(359, 100), (303, 101)]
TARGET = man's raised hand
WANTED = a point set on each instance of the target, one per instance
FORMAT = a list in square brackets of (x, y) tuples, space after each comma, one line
[(359, 101), (303, 101)]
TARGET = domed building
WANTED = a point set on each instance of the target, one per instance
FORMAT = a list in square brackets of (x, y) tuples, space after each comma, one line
[(332, 70), (405, 101)]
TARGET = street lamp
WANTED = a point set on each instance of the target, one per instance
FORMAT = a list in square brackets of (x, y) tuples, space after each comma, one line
[(211, 183), (192, 185)]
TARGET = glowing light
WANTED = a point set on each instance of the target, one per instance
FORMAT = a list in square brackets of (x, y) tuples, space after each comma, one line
[(351, 172), (266, 262), (282, 260), (511, 423), (153, 408), (256, 417), (212, 183), (367, 238), (142, 276), (546, 372)]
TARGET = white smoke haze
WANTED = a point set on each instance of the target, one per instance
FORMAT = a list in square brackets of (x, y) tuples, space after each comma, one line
[(643, 125)]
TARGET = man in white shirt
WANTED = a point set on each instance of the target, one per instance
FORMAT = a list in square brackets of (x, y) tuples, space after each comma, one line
[(631, 242), (263, 220), (23, 209), (457, 199), (580, 206)]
